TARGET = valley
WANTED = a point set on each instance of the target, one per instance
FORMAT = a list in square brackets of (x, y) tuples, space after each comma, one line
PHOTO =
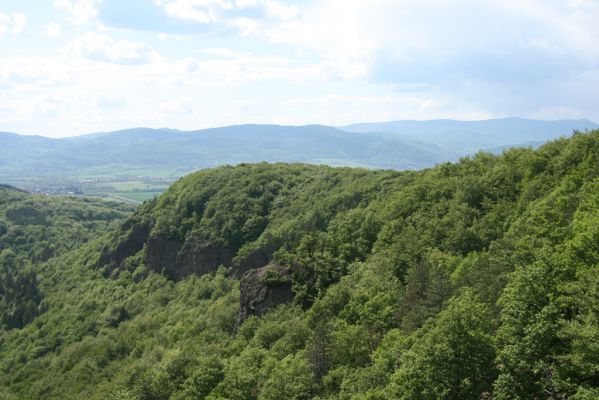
[(299, 200), (278, 280), (137, 164)]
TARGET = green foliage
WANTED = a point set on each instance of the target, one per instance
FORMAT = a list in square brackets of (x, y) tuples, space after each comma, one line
[(291, 378), (200, 383), (465, 280), (452, 356), (273, 278), (33, 230)]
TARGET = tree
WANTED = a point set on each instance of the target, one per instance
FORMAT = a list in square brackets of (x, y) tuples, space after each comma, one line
[(452, 357), (527, 336), (291, 378)]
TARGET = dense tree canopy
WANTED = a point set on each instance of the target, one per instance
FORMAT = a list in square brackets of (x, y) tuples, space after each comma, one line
[(33, 230), (472, 279)]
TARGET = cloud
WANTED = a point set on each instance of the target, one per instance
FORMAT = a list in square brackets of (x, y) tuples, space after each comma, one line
[(234, 68), (221, 11), (76, 90), (13, 23), (52, 30), (79, 11), (507, 57), (311, 61), (185, 10), (409, 42), (149, 16), (341, 109), (196, 16), (439, 43), (19, 21), (180, 106), (281, 11), (101, 47)]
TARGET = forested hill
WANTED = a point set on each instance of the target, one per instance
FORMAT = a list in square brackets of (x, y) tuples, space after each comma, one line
[(287, 281), (34, 230), (6, 188)]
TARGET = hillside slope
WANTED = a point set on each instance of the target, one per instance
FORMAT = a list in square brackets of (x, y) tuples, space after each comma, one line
[(35, 229), (272, 281)]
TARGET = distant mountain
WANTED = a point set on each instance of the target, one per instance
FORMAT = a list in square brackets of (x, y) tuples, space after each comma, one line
[(164, 148), (463, 137), (16, 149), (173, 153)]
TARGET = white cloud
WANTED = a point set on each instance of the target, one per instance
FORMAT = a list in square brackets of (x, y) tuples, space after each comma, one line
[(180, 106), (281, 11), (234, 68), (224, 12), (101, 47), (52, 30), (13, 23), (341, 109), (79, 11), (424, 39), (80, 82), (186, 10), (332, 61), (223, 52), (19, 21)]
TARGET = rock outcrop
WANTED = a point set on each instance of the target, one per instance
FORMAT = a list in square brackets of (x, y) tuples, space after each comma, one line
[(262, 289), (257, 257), (135, 237), (179, 259)]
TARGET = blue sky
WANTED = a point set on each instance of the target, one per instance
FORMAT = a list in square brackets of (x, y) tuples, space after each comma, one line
[(75, 66)]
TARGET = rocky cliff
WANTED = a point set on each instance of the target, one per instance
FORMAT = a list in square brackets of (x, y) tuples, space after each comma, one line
[(262, 289)]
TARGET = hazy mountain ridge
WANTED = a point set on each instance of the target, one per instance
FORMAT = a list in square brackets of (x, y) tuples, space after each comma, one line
[(471, 136), (143, 147), (395, 145), (136, 164)]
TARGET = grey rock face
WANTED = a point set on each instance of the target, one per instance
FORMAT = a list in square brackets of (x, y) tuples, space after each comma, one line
[(179, 259), (262, 289), (131, 245)]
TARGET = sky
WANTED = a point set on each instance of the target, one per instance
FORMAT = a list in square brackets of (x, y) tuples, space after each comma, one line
[(70, 67)]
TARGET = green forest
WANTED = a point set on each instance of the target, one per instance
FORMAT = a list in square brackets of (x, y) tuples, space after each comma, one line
[(469, 280)]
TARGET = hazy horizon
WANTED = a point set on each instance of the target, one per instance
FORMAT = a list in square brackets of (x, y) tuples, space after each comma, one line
[(341, 127)]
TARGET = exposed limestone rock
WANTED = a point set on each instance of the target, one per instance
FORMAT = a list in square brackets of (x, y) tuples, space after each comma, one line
[(262, 289)]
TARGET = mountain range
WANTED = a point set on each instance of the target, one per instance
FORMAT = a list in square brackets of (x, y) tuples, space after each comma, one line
[(172, 153)]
